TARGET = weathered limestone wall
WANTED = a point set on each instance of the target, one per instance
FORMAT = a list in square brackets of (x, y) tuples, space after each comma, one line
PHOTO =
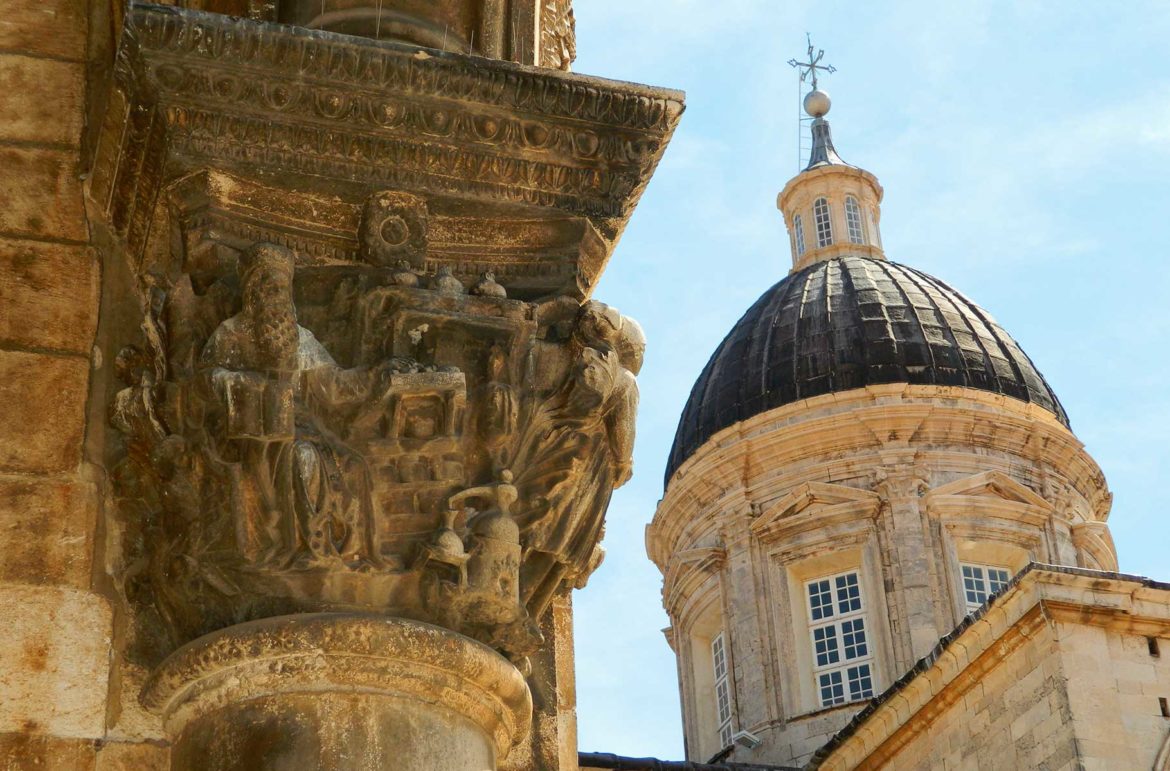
[(53, 684), (1114, 686), (1009, 712)]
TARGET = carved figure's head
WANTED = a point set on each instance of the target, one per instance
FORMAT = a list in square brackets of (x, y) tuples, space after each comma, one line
[(497, 360), (593, 378), (631, 345), (266, 272), (598, 324), (602, 326)]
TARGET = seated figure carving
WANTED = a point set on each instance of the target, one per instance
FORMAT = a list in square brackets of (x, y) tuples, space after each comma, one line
[(302, 495)]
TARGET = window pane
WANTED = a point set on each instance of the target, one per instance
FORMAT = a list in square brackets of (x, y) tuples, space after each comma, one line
[(996, 579), (848, 593), (719, 657), (820, 600), (832, 691), (824, 222), (825, 645), (798, 226), (723, 701), (853, 639), (860, 682), (973, 585), (853, 220), (722, 687)]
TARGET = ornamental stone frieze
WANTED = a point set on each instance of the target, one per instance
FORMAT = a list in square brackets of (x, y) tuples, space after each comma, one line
[(561, 158), (362, 384)]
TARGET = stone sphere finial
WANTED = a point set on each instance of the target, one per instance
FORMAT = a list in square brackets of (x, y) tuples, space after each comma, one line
[(817, 103)]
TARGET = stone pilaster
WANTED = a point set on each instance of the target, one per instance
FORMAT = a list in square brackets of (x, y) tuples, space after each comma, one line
[(908, 538)]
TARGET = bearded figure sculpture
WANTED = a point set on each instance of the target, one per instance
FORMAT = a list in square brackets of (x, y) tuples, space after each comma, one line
[(301, 497)]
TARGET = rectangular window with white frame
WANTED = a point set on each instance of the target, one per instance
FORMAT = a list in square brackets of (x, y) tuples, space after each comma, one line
[(722, 688), (842, 650), (980, 582)]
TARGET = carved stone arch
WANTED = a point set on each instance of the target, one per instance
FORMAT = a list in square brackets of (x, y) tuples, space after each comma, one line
[(688, 571)]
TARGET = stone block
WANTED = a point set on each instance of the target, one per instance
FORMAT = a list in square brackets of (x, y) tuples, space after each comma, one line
[(46, 27), (42, 194), (54, 661), (45, 753), (44, 99), (121, 756), (48, 293), (46, 531), (42, 423)]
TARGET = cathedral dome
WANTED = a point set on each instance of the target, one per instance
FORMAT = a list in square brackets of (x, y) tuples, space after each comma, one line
[(848, 322)]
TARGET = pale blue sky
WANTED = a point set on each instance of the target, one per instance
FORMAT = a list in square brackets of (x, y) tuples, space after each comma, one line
[(1024, 148)]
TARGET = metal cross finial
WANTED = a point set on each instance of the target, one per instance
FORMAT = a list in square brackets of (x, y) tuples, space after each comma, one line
[(813, 64)]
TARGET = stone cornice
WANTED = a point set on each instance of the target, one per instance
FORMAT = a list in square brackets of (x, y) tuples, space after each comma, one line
[(837, 424), (804, 177), (351, 115)]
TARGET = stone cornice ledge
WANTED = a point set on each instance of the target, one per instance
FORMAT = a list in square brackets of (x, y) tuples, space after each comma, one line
[(199, 88), (1035, 597), (837, 423)]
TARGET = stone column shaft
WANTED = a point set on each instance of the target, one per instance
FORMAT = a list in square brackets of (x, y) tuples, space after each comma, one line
[(349, 692)]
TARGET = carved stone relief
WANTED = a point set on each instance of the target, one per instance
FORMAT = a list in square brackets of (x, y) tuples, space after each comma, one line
[(558, 34), (361, 374), (302, 436)]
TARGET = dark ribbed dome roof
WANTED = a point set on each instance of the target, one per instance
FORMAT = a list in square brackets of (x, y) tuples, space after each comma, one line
[(846, 323)]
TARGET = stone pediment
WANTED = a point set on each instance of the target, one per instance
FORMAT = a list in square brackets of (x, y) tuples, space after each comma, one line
[(992, 493), (704, 559), (511, 160), (992, 484), (689, 569), (814, 505)]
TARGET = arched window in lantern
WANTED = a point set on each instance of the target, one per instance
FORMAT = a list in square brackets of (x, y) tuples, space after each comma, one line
[(823, 221), (853, 221)]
